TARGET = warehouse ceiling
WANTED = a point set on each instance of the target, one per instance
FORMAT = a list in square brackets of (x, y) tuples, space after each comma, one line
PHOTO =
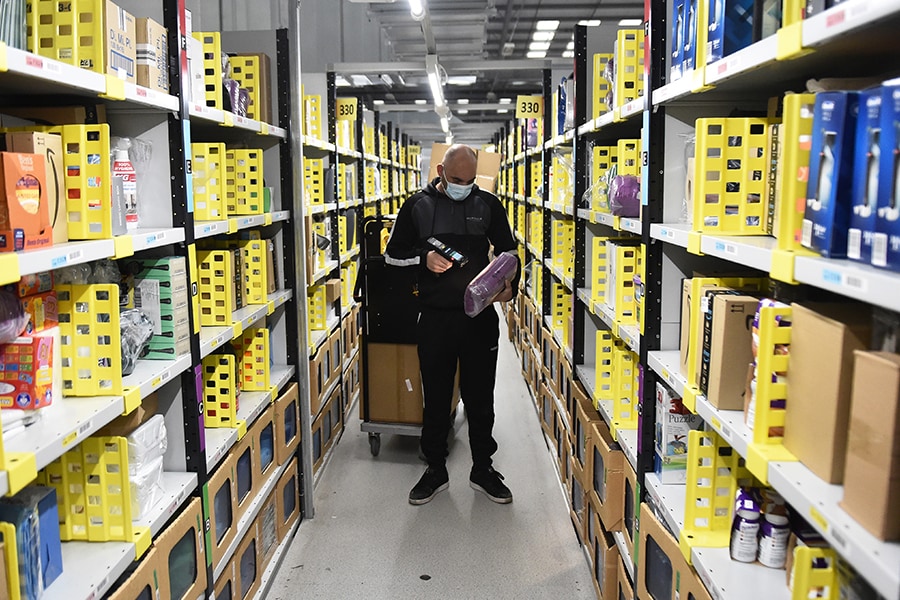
[(483, 46)]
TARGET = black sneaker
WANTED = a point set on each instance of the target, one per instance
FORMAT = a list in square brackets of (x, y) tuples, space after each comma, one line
[(433, 481), (490, 482)]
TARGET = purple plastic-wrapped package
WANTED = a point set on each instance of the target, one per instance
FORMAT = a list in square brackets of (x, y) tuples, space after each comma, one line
[(482, 290), (625, 196)]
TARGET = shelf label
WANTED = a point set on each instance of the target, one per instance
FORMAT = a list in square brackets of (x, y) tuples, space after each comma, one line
[(667, 233), (835, 18), (35, 62), (151, 239), (141, 92), (345, 109), (819, 518), (832, 277), (726, 248), (74, 435), (160, 236), (529, 107)]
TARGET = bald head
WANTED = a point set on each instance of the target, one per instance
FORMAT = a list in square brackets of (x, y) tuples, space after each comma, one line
[(458, 165)]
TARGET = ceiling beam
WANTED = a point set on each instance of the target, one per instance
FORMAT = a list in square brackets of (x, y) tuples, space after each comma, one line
[(451, 66)]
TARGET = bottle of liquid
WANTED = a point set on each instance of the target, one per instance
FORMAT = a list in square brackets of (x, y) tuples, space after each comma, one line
[(123, 169), (745, 528), (773, 541)]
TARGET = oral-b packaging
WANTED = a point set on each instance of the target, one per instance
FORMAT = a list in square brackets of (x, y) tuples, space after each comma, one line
[(865, 177), (886, 245), (730, 28), (830, 186), (677, 59), (690, 34)]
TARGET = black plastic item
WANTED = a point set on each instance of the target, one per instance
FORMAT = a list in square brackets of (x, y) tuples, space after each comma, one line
[(391, 304), (244, 475), (599, 475), (658, 574), (628, 523), (457, 258)]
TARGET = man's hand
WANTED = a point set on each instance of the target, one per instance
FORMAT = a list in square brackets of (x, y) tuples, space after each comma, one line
[(436, 263), (505, 295)]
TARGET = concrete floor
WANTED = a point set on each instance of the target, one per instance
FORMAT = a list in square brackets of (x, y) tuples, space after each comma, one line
[(367, 541)]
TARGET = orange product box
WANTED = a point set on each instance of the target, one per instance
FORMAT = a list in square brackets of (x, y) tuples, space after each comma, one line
[(24, 208), (42, 312), (26, 373)]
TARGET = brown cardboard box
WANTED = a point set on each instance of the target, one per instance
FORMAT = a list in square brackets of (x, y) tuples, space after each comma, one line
[(630, 505), (320, 443), (332, 290), (60, 115), (872, 478), (661, 564), (50, 146), (287, 424), (623, 584), (125, 424), (223, 516), (188, 525), (263, 432), (142, 583), (24, 202), (486, 183), (119, 46), (730, 350), (582, 429), (604, 558), (246, 481), (606, 483), (226, 586), (577, 499), (287, 496), (488, 162), (267, 525), (395, 386), (152, 55), (247, 564), (819, 383)]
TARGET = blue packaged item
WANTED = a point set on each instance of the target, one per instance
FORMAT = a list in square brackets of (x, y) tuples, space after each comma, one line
[(730, 28), (865, 177), (561, 108), (677, 58), (33, 512), (690, 34), (886, 244), (715, 31), (828, 192)]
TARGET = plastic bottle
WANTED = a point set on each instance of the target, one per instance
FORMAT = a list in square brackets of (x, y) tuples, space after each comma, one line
[(773, 541), (123, 169), (745, 528)]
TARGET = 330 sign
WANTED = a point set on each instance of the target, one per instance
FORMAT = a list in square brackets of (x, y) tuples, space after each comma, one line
[(529, 107)]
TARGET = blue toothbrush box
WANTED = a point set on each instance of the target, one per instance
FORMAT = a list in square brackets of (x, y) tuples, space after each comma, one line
[(886, 245), (865, 177)]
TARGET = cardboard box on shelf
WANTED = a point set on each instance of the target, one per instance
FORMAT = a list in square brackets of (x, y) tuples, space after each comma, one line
[(50, 146), (819, 383), (332, 290), (729, 350), (223, 515), (673, 424), (604, 558), (60, 115), (872, 478), (24, 202), (27, 368), (662, 571), (125, 424), (120, 48), (152, 41), (488, 162), (143, 581), (605, 479)]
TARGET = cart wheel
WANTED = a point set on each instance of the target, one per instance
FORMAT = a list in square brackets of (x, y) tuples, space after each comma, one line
[(375, 443)]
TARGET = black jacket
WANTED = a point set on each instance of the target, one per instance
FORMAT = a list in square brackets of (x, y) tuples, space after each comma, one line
[(470, 226)]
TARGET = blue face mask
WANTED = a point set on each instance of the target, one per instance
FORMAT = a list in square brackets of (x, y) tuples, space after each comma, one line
[(458, 192)]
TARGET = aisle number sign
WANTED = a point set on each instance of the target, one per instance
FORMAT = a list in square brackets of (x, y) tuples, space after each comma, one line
[(529, 107), (346, 109)]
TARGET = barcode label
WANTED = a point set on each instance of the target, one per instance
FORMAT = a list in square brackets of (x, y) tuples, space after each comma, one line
[(857, 283), (75, 255), (879, 249), (806, 235), (854, 243)]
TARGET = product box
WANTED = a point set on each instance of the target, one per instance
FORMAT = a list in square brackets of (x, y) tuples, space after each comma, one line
[(38, 283), (267, 525), (287, 424), (488, 162), (630, 506), (577, 498), (673, 423), (143, 581), (332, 290), (249, 568), (182, 554), (34, 514), (42, 312), (264, 110), (863, 212), (120, 48), (394, 391), (223, 517), (730, 28), (604, 479), (662, 571), (287, 496), (227, 585), (703, 333), (263, 432), (729, 350), (125, 424), (152, 55), (676, 59), (690, 35), (50, 146), (604, 556), (26, 373), (886, 245), (246, 481), (872, 478), (819, 383), (24, 203), (830, 186)]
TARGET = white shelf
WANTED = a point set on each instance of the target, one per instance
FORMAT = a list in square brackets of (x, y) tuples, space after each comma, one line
[(750, 251), (587, 376), (745, 60), (280, 298), (605, 408), (628, 440), (330, 266), (819, 503), (205, 113), (274, 565), (150, 375), (248, 317), (251, 405), (279, 377), (844, 18), (584, 294), (90, 569), (63, 255), (249, 517), (597, 124), (671, 233), (727, 579), (631, 225), (631, 335), (532, 200), (670, 499), (177, 488), (66, 77), (350, 255), (727, 423), (145, 239), (673, 91), (218, 442), (312, 142), (65, 424), (634, 107), (624, 553), (666, 364), (213, 337), (139, 94), (203, 229), (852, 279)]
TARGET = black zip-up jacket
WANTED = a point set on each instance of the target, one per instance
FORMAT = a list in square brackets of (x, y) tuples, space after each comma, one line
[(469, 226)]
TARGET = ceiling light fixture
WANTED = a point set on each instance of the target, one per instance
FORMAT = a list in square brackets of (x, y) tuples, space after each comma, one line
[(434, 79), (387, 79), (570, 45), (462, 80), (589, 22), (445, 125), (462, 111), (568, 54), (377, 102), (546, 25), (543, 36), (463, 101), (505, 100), (421, 102), (537, 46), (631, 22), (341, 81), (503, 111), (417, 9), (541, 54), (360, 80)]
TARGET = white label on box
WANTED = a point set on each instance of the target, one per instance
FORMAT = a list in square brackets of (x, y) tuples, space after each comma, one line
[(409, 386), (147, 299)]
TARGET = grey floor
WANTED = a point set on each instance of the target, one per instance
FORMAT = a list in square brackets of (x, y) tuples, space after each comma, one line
[(367, 541)]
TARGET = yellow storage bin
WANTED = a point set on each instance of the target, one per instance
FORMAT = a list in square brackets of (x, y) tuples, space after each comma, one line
[(629, 65), (216, 284), (730, 168), (621, 265), (212, 67), (73, 32), (603, 158), (87, 176), (220, 403), (246, 71), (208, 172), (317, 307), (563, 235), (628, 157), (625, 400), (244, 182), (602, 85), (312, 111), (598, 269), (314, 180), (793, 168), (91, 339), (604, 373)]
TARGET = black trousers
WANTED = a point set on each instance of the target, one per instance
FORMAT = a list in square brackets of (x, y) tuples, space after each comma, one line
[(445, 337)]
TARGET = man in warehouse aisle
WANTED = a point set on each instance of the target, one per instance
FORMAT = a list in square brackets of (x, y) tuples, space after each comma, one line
[(468, 220)]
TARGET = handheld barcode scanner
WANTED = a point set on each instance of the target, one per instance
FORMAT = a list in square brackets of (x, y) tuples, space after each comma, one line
[(826, 173), (447, 252), (891, 212), (870, 196)]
